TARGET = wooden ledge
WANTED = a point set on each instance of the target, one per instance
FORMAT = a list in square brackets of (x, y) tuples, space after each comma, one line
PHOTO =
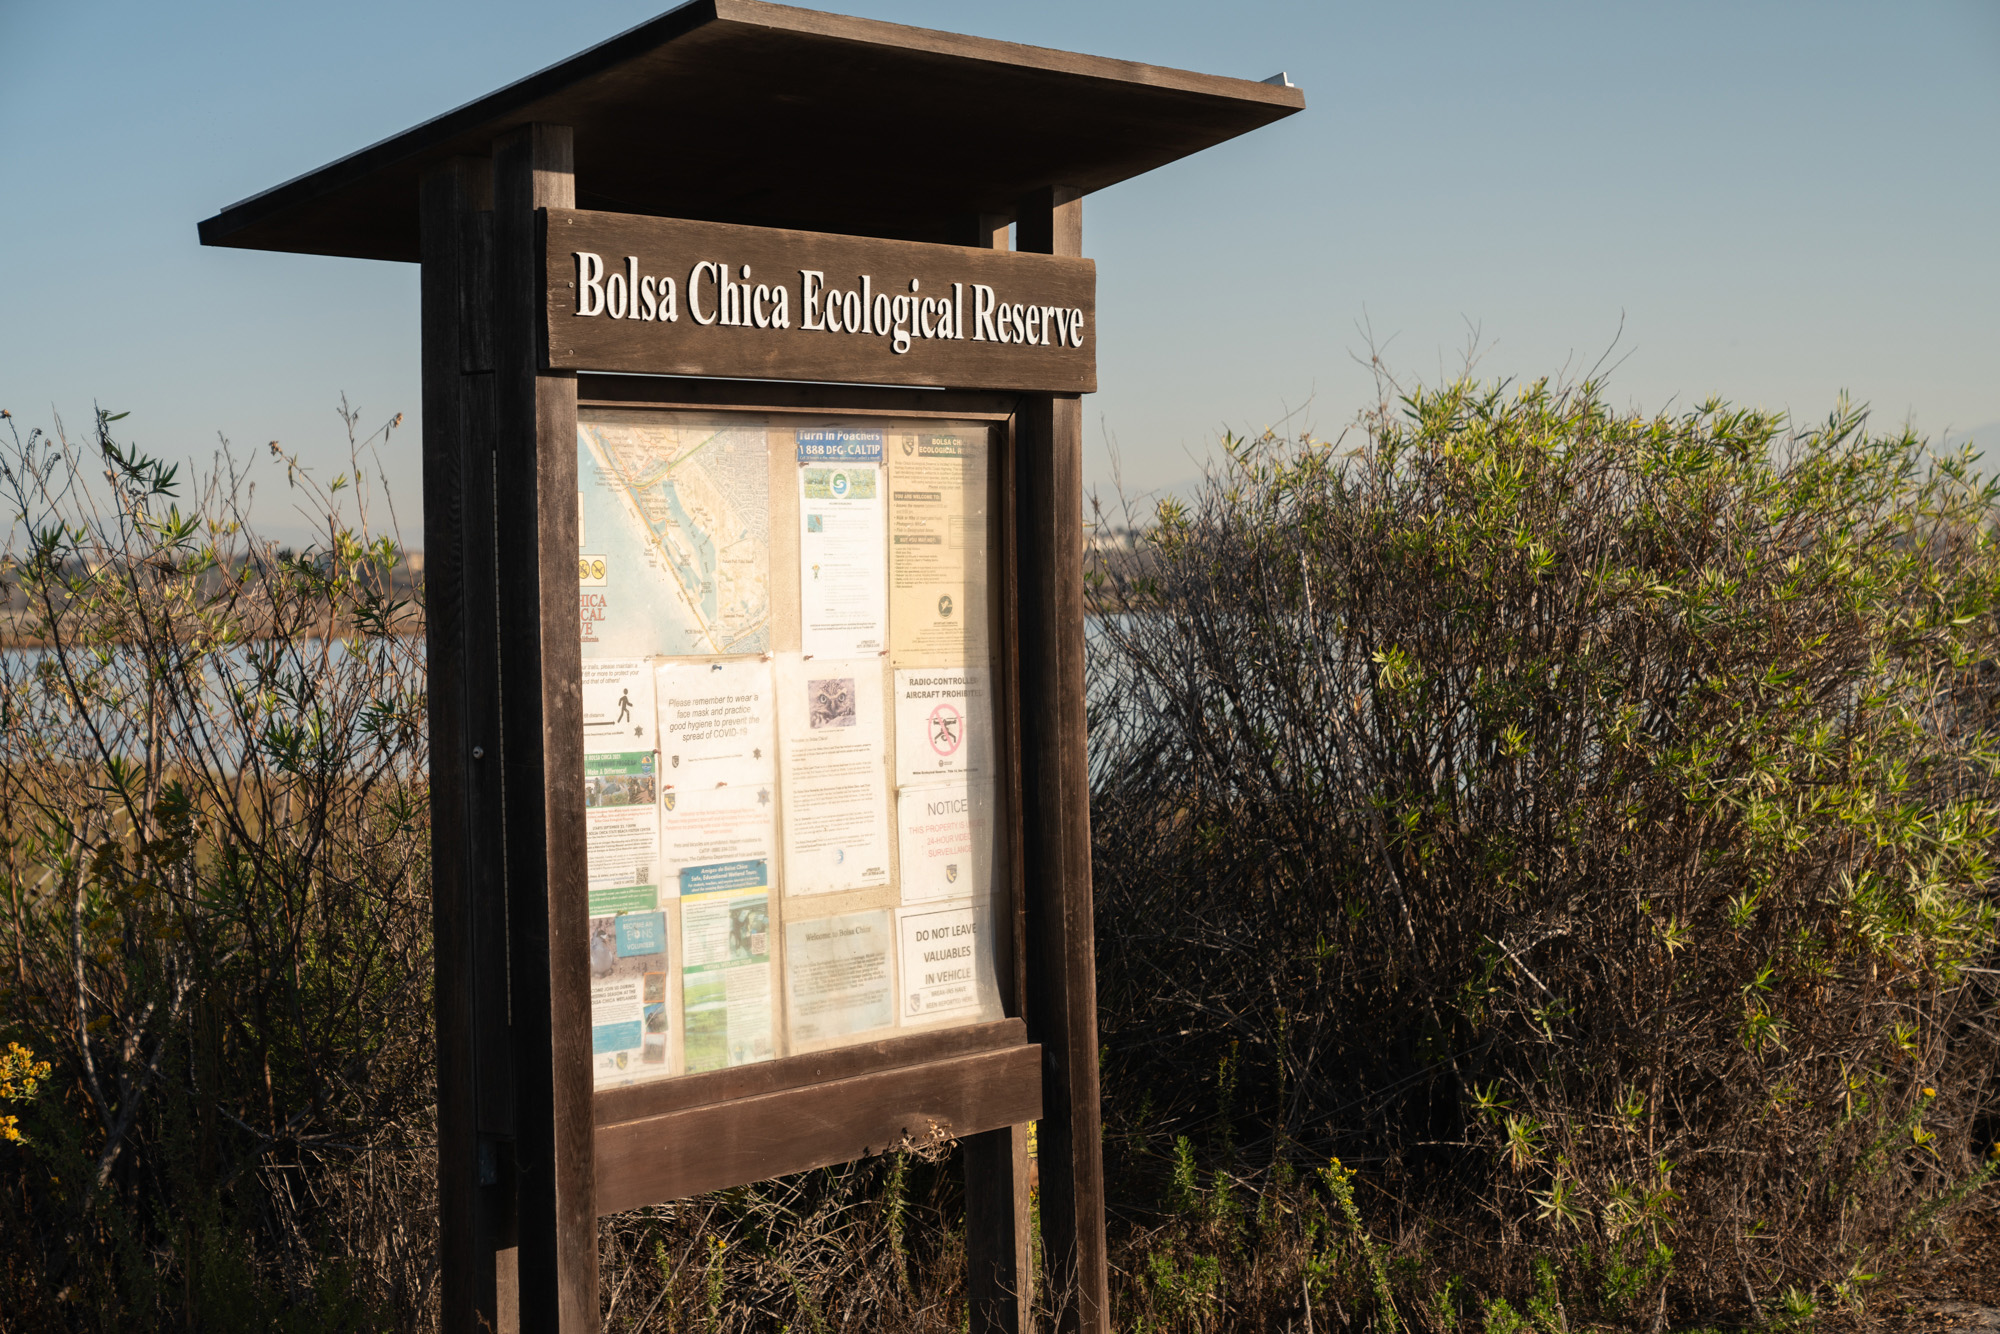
[(675, 1154)]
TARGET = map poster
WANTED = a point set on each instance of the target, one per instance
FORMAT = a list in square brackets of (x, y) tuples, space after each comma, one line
[(628, 997), (674, 535), (948, 959), (944, 724), (945, 841), (725, 980), (937, 547), (837, 976), (842, 598), (833, 756)]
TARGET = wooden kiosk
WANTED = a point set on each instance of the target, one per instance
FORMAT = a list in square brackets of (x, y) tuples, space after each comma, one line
[(753, 523)]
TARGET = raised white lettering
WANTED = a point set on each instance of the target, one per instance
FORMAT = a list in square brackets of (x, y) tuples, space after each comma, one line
[(714, 272), (900, 312), (589, 284), (614, 296), (983, 302), (649, 299), (811, 281)]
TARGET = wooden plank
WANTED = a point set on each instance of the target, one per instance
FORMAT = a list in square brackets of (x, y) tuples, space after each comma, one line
[(638, 1101), (475, 1189), (1062, 968), (781, 396), (750, 1139), (792, 305), (541, 671), (780, 96)]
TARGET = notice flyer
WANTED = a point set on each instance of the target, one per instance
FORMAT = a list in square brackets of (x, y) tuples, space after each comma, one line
[(718, 816), (725, 980), (834, 757), (944, 841), (837, 976), (842, 575), (937, 547), (947, 956), (621, 789), (719, 838), (944, 724), (673, 535), (715, 722), (628, 990)]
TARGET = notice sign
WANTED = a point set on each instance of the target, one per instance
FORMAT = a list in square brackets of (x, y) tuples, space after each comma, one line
[(947, 957), (837, 976), (937, 548), (945, 840), (944, 724)]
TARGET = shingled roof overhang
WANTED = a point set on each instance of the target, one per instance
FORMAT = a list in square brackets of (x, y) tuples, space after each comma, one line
[(744, 112)]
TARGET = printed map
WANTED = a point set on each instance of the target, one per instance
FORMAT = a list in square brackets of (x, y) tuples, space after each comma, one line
[(675, 535)]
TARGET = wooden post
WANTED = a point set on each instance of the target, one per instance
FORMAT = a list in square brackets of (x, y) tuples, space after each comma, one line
[(542, 714), (1061, 1009), (998, 1214), (475, 1113)]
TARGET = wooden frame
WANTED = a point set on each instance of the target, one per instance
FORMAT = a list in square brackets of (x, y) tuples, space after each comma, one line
[(545, 1156)]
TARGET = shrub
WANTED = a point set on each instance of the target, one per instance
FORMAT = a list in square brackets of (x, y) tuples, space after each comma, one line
[(1581, 822), (213, 848)]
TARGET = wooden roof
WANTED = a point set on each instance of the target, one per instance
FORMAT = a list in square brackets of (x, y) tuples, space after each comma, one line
[(740, 111)]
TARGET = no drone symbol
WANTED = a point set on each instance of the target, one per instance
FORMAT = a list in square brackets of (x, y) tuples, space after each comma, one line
[(947, 729)]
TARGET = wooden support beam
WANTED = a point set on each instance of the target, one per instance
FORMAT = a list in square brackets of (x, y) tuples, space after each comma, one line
[(695, 1149), (474, 1080), (998, 1219), (1061, 1008), (542, 715)]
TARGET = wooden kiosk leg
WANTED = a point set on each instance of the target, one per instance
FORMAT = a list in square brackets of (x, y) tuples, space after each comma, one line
[(998, 1216), (1061, 1003), (475, 1100), (541, 661)]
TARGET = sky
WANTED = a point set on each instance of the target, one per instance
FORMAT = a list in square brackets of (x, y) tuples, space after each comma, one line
[(1772, 202)]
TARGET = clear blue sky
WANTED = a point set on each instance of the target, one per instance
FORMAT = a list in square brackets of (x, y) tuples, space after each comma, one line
[(1778, 201)]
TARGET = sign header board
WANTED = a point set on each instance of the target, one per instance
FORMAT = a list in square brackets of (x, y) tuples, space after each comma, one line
[(664, 296)]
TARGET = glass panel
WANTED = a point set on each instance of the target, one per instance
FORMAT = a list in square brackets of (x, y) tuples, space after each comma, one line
[(791, 757)]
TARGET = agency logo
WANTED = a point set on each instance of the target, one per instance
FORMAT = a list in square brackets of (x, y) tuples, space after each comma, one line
[(944, 605)]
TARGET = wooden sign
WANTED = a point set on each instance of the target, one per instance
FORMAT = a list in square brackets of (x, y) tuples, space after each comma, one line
[(665, 296), (759, 781)]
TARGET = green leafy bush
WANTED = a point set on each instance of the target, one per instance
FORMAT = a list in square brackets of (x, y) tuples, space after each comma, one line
[(213, 876), (1581, 822)]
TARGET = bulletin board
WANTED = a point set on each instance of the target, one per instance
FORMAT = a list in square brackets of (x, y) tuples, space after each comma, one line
[(793, 763)]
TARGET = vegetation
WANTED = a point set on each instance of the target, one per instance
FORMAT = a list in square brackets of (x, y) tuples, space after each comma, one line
[(1543, 867), (1583, 825), (216, 945)]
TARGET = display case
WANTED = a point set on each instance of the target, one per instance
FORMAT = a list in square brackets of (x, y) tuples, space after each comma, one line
[(794, 788)]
